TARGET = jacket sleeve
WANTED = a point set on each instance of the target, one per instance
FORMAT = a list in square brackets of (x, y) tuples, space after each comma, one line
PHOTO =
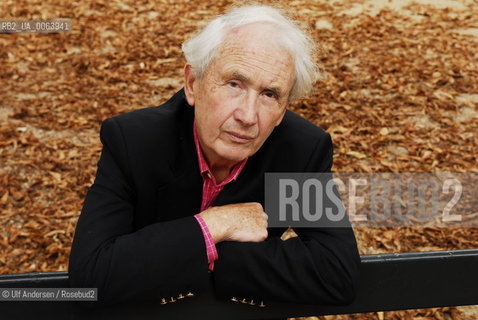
[(160, 260), (320, 266)]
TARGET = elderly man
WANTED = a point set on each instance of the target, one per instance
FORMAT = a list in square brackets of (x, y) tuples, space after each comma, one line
[(176, 210)]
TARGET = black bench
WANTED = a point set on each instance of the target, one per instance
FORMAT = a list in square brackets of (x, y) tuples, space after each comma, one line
[(387, 282)]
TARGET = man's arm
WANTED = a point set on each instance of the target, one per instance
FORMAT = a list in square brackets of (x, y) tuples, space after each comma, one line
[(161, 260), (319, 266)]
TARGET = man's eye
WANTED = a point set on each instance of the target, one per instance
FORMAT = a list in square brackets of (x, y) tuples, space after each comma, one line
[(233, 84), (270, 94)]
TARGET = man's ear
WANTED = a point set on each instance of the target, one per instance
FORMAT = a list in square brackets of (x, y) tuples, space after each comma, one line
[(189, 80)]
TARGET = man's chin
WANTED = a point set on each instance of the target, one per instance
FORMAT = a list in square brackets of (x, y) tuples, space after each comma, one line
[(234, 158), (235, 155)]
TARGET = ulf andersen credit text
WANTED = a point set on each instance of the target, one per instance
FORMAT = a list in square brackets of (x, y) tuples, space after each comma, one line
[(48, 294)]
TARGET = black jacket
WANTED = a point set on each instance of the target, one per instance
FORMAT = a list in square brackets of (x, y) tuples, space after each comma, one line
[(137, 238)]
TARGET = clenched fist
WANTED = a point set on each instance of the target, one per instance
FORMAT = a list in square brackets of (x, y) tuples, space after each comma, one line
[(243, 222)]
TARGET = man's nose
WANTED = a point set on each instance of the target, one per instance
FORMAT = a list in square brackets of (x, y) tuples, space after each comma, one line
[(247, 110)]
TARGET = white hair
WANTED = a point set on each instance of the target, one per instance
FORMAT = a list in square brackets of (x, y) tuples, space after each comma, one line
[(200, 50)]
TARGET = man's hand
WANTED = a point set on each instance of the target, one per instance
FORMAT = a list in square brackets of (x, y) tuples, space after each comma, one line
[(243, 222)]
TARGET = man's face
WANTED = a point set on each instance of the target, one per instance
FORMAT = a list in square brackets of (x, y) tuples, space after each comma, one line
[(242, 95)]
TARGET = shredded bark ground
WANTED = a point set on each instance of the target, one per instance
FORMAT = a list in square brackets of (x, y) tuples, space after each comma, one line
[(399, 94)]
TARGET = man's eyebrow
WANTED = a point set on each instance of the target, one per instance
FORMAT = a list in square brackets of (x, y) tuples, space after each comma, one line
[(239, 76)]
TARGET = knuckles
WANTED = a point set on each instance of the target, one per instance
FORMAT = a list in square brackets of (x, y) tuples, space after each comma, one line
[(256, 206), (264, 235)]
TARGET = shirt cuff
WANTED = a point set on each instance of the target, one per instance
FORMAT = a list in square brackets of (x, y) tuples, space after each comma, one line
[(210, 245)]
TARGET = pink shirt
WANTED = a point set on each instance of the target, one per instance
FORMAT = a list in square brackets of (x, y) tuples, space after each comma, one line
[(210, 191)]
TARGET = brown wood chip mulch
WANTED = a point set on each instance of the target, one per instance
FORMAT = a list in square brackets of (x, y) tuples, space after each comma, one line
[(399, 94)]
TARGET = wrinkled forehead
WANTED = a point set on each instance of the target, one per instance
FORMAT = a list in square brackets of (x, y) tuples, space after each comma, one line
[(262, 38), (255, 46)]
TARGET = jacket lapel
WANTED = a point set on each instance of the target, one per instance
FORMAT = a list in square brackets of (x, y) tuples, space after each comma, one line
[(248, 187), (181, 196)]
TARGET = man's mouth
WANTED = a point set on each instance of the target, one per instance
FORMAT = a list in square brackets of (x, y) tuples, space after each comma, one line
[(238, 137)]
